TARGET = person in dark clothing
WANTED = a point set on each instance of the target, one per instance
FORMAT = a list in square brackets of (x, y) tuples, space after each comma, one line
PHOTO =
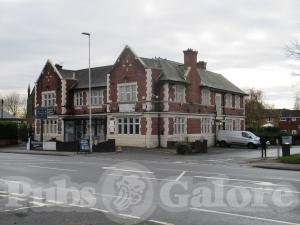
[(263, 144)]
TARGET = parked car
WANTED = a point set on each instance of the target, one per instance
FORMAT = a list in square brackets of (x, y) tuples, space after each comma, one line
[(245, 138)]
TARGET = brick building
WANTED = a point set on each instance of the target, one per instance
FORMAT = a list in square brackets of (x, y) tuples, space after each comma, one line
[(139, 101)]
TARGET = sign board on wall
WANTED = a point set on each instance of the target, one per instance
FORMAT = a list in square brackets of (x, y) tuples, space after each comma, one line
[(84, 145), (44, 112), (112, 125), (127, 107)]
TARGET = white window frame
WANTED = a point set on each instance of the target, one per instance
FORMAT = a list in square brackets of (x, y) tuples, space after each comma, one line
[(294, 119), (127, 92), (97, 97), (48, 98), (179, 93), (237, 124), (283, 119), (237, 99), (228, 100), (128, 125), (78, 98), (205, 96), (228, 124), (50, 126), (179, 125), (294, 132), (206, 127)]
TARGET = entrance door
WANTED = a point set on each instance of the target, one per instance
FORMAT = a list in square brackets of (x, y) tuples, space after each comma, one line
[(218, 101)]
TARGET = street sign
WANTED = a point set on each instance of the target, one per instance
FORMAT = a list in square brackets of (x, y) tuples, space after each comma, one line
[(41, 112), (84, 145)]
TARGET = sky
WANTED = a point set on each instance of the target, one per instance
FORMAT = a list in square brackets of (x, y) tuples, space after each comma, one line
[(245, 40)]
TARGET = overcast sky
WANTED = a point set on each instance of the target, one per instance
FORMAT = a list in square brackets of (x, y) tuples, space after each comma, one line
[(242, 39)]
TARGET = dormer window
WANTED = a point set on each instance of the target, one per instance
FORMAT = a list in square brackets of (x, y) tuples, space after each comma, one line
[(127, 92), (48, 98), (97, 97), (78, 98), (179, 93)]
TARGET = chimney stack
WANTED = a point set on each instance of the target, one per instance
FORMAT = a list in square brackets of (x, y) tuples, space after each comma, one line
[(202, 65), (190, 57), (59, 67)]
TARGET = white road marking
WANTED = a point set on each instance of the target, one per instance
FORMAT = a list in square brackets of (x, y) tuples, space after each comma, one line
[(233, 179), (260, 188), (12, 181), (244, 216), (181, 175), (3, 192), (100, 210), (130, 216), (28, 207), (146, 178), (55, 202), (160, 222), (125, 170), (37, 198), (53, 168), (39, 203)]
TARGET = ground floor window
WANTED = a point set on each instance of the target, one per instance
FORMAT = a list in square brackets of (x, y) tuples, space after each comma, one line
[(206, 125), (50, 126), (179, 125), (128, 125), (228, 124), (237, 124)]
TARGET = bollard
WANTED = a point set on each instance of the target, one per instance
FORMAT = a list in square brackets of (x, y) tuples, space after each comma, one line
[(119, 149)]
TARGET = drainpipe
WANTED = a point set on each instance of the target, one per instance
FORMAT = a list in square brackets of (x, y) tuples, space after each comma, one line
[(2, 105), (158, 116)]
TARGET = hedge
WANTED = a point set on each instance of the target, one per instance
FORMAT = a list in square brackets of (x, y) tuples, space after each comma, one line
[(8, 130)]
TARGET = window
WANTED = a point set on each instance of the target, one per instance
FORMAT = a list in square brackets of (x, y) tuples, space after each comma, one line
[(50, 126), (237, 124), (228, 124), (179, 125), (129, 125), (246, 135), (206, 125), (270, 119), (78, 98), (228, 100), (97, 97), (127, 92), (282, 119), (179, 93), (205, 97), (294, 132), (237, 102), (48, 98), (294, 119)]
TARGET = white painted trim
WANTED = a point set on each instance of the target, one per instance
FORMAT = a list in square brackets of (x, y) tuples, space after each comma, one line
[(166, 96), (63, 96)]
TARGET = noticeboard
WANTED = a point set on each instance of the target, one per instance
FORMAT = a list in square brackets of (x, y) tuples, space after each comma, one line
[(84, 145), (287, 140), (41, 112)]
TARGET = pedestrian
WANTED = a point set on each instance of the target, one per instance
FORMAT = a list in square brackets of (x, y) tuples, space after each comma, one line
[(263, 144)]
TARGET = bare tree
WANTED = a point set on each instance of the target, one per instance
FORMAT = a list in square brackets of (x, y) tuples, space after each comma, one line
[(297, 102), (15, 104), (293, 49)]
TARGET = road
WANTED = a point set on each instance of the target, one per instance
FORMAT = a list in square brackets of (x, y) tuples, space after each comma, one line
[(146, 187)]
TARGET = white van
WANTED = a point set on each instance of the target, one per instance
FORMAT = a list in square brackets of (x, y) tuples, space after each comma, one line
[(230, 137)]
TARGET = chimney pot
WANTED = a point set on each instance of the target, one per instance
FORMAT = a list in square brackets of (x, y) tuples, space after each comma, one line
[(58, 66)]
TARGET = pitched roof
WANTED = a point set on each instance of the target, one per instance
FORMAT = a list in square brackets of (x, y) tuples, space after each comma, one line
[(289, 113), (217, 81), (98, 76), (170, 70)]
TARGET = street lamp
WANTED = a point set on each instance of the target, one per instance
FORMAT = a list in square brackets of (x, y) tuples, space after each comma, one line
[(90, 92)]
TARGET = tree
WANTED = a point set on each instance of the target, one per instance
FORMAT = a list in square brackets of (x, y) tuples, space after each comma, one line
[(15, 104), (255, 108), (297, 103), (293, 49)]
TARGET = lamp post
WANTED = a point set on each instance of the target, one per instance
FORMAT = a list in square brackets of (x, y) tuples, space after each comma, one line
[(90, 92)]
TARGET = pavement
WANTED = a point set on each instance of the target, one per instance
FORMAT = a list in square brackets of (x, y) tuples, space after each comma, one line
[(149, 187)]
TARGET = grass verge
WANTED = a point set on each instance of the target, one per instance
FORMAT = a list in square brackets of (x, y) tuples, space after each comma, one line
[(293, 159)]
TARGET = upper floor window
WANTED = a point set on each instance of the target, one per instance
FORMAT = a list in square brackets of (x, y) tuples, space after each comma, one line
[(270, 119), (78, 98), (97, 97), (179, 125), (237, 102), (294, 119), (228, 100), (205, 97), (127, 92), (48, 98), (179, 93), (282, 119)]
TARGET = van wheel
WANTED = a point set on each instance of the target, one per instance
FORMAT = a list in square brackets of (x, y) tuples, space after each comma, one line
[(223, 144), (251, 145)]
